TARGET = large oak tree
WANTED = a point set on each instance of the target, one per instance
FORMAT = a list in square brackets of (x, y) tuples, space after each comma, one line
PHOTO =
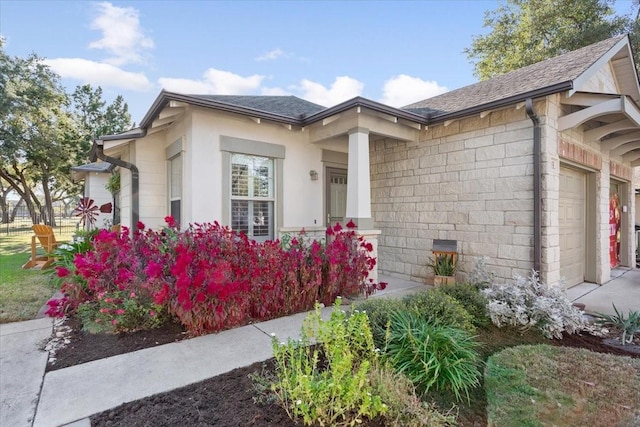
[(523, 32)]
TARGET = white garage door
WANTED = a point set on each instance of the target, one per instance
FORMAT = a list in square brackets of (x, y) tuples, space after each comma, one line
[(572, 226)]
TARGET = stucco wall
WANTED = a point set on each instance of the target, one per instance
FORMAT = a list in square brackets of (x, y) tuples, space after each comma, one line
[(94, 188), (302, 198), (470, 181)]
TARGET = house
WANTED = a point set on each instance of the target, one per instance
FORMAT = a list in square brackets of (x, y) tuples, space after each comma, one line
[(532, 169), (96, 177)]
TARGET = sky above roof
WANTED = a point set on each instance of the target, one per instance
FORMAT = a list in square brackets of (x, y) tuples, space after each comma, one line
[(396, 52)]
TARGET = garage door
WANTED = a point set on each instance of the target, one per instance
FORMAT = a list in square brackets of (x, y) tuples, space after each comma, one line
[(572, 226)]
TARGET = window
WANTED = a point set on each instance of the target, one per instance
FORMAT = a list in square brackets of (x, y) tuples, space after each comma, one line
[(252, 196), (175, 187)]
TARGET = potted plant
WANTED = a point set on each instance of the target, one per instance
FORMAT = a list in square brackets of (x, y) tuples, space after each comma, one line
[(444, 269)]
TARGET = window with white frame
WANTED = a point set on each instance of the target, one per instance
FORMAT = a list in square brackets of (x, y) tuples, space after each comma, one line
[(252, 196)]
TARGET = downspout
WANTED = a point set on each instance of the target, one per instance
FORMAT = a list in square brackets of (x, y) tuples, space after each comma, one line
[(537, 186), (135, 179)]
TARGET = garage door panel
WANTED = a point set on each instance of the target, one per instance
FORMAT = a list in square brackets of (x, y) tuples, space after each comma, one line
[(571, 216)]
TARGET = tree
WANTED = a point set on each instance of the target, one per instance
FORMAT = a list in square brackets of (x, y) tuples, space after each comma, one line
[(42, 134), (524, 32)]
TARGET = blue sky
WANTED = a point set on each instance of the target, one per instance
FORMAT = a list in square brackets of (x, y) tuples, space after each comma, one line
[(326, 52)]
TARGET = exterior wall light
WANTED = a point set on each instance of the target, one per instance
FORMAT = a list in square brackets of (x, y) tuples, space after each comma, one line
[(314, 175)]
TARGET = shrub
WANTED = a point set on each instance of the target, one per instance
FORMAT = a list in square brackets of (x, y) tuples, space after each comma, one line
[(404, 408), (470, 297), (120, 312), (211, 278), (433, 356), (629, 326), (379, 312), (328, 384), (528, 302), (480, 276), (439, 308)]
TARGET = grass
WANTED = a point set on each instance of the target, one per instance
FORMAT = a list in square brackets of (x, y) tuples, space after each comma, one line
[(22, 292), (560, 386)]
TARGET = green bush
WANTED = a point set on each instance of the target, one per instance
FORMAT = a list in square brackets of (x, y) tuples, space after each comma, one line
[(379, 311), (120, 311), (328, 384), (433, 356), (473, 301), (405, 408), (439, 308)]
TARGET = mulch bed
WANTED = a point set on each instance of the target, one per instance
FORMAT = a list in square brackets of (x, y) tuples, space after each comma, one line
[(228, 399)]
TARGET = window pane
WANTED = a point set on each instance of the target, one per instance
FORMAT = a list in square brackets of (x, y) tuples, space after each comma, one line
[(239, 180), (262, 217), (176, 177), (262, 177), (240, 216)]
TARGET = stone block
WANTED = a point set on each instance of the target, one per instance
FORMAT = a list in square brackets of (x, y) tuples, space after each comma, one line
[(480, 141), (490, 153), (486, 217), (513, 252), (518, 218)]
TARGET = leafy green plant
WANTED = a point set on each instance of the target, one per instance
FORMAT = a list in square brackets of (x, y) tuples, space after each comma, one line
[(120, 312), (113, 183), (628, 325), (443, 265), (439, 308), (328, 384), (405, 408), (470, 297), (531, 303), (379, 312), (433, 356)]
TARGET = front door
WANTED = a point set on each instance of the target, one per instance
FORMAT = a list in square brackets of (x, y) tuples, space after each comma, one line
[(336, 195)]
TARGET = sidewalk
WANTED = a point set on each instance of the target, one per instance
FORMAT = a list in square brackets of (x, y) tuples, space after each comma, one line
[(73, 394), (22, 367), (623, 290)]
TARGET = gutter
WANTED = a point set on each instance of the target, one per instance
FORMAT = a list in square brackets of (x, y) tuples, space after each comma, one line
[(537, 185), (98, 150)]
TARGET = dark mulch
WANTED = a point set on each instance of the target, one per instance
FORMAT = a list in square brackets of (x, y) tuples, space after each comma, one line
[(86, 347), (228, 399)]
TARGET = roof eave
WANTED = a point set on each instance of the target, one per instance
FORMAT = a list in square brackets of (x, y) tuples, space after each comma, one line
[(164, 97), (504, 102), (367, 103)]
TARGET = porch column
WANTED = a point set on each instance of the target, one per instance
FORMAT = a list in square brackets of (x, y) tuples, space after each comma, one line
[(358, 180)]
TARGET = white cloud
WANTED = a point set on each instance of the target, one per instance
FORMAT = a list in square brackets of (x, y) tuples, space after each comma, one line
[(342, 89), (272, 55), (216, 82), (99, 74), (122, 35), (402, 90)]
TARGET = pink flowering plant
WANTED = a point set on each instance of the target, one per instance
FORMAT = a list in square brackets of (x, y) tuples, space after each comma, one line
[(210, 278)]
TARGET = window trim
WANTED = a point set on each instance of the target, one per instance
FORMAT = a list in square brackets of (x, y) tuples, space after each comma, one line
[(232, 145)]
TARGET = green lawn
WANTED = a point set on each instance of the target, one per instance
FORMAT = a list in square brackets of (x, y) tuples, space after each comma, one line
[(22, 292)]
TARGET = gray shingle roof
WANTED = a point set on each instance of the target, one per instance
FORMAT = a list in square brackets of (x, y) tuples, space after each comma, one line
[(289, 106), (545, 74), (100, 167)]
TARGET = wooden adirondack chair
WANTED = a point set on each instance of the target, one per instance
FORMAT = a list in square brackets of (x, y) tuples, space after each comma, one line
[(44, 234)]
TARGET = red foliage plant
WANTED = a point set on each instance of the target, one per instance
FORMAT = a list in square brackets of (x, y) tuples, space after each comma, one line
[(212, 278)]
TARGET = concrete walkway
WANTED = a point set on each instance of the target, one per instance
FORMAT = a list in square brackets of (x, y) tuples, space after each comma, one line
[(623, 290), (22, 367), (69, 396)]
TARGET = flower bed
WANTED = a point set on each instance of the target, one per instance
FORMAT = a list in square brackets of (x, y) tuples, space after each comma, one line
[(208, 277)]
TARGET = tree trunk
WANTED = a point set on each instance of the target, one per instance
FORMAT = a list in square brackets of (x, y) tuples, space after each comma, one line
[(18, 182), (14, 211), (48, 201)]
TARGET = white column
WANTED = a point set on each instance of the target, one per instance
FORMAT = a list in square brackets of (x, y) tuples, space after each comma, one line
[(358, 179)]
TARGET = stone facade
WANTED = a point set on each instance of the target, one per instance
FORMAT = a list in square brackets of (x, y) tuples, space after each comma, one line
[(471, 181)]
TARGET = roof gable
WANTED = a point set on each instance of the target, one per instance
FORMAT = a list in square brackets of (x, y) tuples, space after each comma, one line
[(543, 78)]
